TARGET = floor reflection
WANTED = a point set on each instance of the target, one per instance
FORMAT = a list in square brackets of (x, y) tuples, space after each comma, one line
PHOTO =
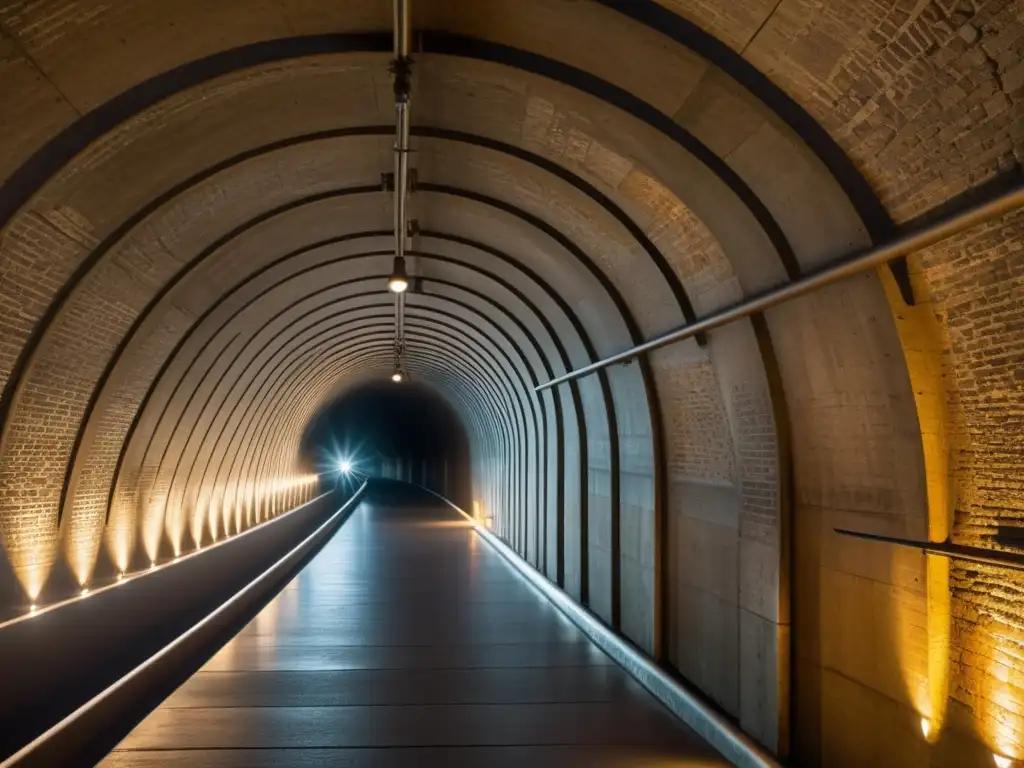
[(407, 639)]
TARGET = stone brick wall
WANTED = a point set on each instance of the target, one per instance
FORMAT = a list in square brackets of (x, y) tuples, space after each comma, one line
[(696, 420), (975, 286), (924, 97)]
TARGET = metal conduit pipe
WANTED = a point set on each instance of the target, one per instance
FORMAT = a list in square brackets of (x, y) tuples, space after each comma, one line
[(401, 71), (940, 229), (399, 305), (401, 319)]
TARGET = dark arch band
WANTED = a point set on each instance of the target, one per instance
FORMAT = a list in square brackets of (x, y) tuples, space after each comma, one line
[(48, 160), (549, 230), (24, 358), (386, 322), (550, 292)]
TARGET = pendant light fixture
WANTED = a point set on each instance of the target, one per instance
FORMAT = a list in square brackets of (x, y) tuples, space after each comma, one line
[(399, 280)]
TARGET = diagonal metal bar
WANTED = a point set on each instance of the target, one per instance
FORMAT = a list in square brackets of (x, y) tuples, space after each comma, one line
[(995, 557), (862, 261)]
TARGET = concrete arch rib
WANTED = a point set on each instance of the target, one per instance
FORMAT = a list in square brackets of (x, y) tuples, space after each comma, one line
[(615, 495), (647, 246), (494, 306), (589, 175), (381, 278), (384, 315), (336, 261), (385, 318), (280, 211), (507, 401), (291, 276)]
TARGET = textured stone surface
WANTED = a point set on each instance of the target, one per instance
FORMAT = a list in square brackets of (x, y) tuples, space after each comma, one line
[(975, 283), (775, 433)]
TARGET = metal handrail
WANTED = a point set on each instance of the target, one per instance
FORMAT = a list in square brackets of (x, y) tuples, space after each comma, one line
[(940, 229), (995, 557)]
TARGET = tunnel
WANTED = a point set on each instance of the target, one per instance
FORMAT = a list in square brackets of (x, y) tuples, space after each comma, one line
[(694, 329), (408, 433)]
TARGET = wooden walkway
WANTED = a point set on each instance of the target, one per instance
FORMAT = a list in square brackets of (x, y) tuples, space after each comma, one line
[(408, 641)]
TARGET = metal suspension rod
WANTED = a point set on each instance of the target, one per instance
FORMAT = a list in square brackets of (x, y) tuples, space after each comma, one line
[(400, 320), (862, 261), (401, 71), (402, 27)]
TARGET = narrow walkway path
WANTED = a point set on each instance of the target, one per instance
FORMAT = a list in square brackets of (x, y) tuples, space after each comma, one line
[(408, 641)]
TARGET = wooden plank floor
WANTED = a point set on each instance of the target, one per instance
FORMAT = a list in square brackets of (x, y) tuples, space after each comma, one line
[(407, 641)]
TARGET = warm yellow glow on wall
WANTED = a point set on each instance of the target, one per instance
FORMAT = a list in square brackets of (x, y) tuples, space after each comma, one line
[(213, 517), (153, 525), (30, 539), (921, 340), (227, 512), (242, 509), (250, 505), (257, 504), (174, 522), (197, 523), (81, 539), (35, 567), (120, 531), (1001, 706), (34, 550)]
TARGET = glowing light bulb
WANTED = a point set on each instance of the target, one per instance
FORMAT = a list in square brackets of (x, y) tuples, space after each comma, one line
[(345, 466), (1002, 761), (399, 280), (397, 377), (33, 608)]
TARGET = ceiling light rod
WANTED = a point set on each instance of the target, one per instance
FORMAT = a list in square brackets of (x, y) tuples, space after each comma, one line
[(401, 72), (400, 327), (399, 324), (399, 373)]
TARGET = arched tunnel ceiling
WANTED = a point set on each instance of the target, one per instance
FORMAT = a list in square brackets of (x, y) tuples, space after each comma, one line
[(516, 128), (196, 239)]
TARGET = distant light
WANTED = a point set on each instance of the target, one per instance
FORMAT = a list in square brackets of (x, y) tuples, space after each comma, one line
[(85, 591), (397, 377), (926, 727), (1002, 761), (345, 466), (33, 608)]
